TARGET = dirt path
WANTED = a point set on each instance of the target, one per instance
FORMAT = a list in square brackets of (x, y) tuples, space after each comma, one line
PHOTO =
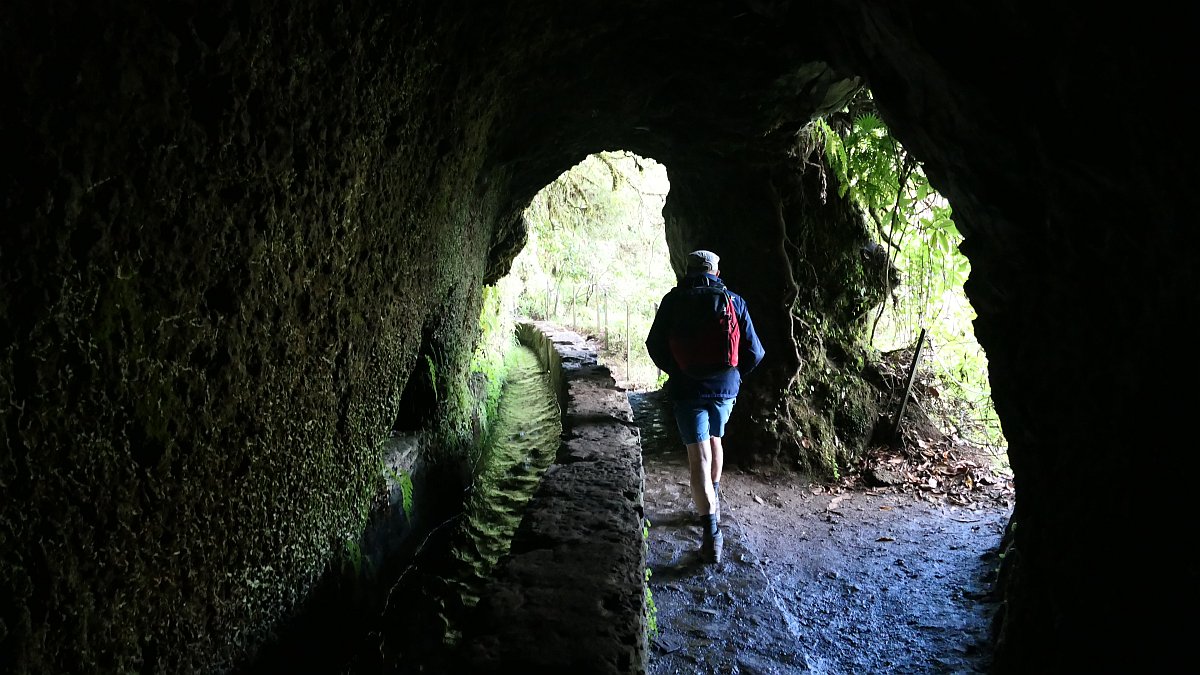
[(816, 579)]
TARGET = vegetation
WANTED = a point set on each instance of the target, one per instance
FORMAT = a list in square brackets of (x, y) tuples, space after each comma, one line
[(651, 608), (915, 225), (597, 262), (497, 337), (596, 259)]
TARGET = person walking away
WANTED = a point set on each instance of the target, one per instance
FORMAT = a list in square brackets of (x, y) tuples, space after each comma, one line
[(705, 361)]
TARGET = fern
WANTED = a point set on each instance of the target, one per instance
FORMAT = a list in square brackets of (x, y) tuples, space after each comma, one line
[(888, 185), (868, 123), (835, 153)]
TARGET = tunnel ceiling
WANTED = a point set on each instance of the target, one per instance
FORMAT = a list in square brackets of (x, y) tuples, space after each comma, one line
[(679, 82)]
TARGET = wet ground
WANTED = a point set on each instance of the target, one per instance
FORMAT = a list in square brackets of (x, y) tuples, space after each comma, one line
[(815, 578)]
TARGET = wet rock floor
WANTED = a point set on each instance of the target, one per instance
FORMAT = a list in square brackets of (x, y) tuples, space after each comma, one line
[(815, 579)]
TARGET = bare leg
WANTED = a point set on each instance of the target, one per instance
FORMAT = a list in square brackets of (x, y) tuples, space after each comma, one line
[(700, 463), (718, 458)]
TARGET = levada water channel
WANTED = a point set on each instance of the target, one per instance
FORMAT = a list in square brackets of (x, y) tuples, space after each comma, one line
[(444, 583), (413, 622)]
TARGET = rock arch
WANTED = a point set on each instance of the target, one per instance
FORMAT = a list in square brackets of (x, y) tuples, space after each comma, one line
[(226, 225)]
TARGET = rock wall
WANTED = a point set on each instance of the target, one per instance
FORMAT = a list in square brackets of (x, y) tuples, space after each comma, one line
[(231, 234), (1080, 274), (242, 243)]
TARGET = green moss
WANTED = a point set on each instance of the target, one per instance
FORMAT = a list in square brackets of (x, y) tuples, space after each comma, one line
[(225, 317)]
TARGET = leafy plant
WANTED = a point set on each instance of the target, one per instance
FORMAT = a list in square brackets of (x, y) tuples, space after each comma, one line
[(353, 556), (651, 608), (915, 224), (404, 480), (432, 375), (596, 260)]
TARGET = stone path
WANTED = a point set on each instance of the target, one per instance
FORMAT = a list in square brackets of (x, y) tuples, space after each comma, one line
[(815, 578), (720, 618)]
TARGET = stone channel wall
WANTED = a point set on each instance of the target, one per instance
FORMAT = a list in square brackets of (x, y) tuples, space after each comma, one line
[(570, 594)]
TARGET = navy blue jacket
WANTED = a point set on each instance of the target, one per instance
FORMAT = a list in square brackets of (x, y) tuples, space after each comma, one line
[(721, 385)]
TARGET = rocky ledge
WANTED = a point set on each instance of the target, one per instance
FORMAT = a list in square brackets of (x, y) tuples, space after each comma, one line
[(570, 594)]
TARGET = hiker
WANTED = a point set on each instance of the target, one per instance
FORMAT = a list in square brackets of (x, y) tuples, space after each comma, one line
[(703, 339)]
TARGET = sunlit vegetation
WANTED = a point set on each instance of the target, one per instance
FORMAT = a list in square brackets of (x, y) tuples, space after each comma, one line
[(597, 262), (916, 227), (496, 340)]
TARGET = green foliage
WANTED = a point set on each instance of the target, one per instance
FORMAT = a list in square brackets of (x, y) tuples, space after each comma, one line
[(661, 381), (597, 253), (404, 480), (497, 337), (352, 556), (651, 608), (406, 486), (432, 374), (916, 225)]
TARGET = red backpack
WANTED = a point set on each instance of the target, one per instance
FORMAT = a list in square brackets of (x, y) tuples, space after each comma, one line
[(704, 334)]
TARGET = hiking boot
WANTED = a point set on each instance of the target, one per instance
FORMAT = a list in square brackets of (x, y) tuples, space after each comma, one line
[(712, 548)]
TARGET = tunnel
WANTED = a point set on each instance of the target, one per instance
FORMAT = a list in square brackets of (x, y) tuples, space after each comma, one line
[(245, 244)]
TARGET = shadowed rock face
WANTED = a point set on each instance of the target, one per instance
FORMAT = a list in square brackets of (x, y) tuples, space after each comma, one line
[(232, 234)]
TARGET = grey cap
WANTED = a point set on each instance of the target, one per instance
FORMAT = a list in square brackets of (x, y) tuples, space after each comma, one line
[(702, 260)]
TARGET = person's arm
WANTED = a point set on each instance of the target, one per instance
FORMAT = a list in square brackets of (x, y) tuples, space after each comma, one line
[(657, 344), (750, 352)]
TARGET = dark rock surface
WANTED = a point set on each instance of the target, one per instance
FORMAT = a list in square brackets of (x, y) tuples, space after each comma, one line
[(815, 579), (243, 243), (569, 595)]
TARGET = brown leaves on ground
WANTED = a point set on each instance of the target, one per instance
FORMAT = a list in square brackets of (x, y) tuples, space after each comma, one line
[(948, 469)]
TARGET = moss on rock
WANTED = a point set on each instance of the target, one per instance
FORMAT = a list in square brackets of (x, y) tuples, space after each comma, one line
[(232, 229)]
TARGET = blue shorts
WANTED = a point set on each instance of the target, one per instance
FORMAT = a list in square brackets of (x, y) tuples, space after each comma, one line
[(701, 418)]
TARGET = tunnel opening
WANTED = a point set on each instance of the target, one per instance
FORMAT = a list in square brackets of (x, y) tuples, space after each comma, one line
[(596, 261), (921, 327), (926, 290)]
